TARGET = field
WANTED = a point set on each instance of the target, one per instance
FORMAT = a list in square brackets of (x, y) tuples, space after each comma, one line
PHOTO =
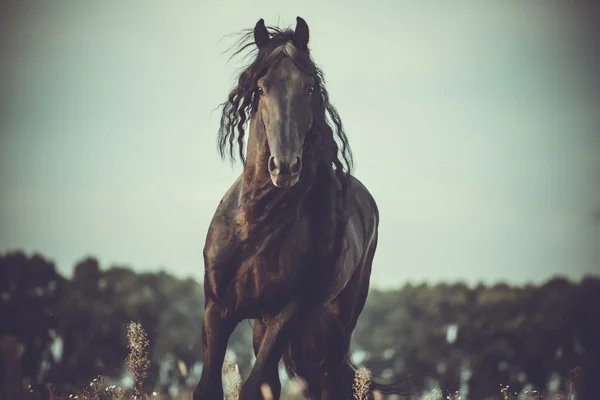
[(138, 363)]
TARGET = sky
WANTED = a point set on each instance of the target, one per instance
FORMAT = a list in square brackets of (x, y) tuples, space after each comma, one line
[(474, 124)]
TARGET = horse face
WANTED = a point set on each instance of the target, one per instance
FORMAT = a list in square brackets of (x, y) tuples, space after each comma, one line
[(286, 109)]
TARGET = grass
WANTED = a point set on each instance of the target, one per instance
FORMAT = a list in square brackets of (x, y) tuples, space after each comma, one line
[(362, 381), (138, 363), (137, 360)]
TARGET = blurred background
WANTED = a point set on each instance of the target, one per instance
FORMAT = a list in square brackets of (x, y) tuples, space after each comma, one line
[(475, 125)]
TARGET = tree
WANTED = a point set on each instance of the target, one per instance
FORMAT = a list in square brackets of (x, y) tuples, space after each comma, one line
[(30, 288)]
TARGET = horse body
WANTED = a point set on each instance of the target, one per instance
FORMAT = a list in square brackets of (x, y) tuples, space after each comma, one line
[(262, 286), (287, 268), (292, 241)]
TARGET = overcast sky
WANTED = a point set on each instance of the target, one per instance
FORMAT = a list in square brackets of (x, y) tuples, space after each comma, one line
[(473, 123)]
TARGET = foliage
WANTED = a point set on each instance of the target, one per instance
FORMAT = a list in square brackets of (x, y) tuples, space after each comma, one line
[(446, 337)]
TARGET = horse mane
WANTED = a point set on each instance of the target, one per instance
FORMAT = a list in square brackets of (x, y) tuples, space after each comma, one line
[(324, 184), (242, 101)]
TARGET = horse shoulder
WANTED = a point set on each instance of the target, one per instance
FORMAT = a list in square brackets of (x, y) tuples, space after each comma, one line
[(221, 235), (365, 206), (361, 232)]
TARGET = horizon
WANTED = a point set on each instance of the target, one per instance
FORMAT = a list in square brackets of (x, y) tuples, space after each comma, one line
[(68, 274)]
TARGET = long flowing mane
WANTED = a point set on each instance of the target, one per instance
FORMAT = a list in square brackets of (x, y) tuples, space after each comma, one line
[(324, 186), (243, 99)]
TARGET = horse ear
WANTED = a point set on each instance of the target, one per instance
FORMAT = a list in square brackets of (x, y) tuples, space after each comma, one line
[(301, 34), (261, 34)]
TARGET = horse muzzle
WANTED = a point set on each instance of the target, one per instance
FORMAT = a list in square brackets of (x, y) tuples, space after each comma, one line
[(285, 173)]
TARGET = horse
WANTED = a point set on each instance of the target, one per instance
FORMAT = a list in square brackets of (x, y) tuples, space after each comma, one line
[(292, 241)]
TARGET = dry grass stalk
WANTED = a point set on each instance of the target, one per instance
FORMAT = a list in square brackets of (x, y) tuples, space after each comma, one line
[(377, 395), (266, 392), (295, 389), (362, 383), (433, 396), (137, 360), (233, 380), (182, 368)]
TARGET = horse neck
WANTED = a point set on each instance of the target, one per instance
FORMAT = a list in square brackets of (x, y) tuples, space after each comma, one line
[(265, 209)]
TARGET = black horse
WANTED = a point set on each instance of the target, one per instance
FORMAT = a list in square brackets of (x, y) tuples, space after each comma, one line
[(292, 241)]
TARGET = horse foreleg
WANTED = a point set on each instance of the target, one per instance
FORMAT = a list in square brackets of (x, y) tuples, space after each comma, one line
[(269, 352), (216, 330), (271, 371)]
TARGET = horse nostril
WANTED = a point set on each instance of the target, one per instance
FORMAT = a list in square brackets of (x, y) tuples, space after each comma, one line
[(296, 166), (273, 166)]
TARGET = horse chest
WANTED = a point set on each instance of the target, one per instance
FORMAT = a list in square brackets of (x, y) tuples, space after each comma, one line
[(257, 281), (267, 278)]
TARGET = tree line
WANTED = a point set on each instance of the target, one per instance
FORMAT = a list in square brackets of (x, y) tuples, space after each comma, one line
[(447, 336)]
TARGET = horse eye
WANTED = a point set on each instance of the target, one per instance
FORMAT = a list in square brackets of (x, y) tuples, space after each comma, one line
[(260, 91), (310, 90)]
